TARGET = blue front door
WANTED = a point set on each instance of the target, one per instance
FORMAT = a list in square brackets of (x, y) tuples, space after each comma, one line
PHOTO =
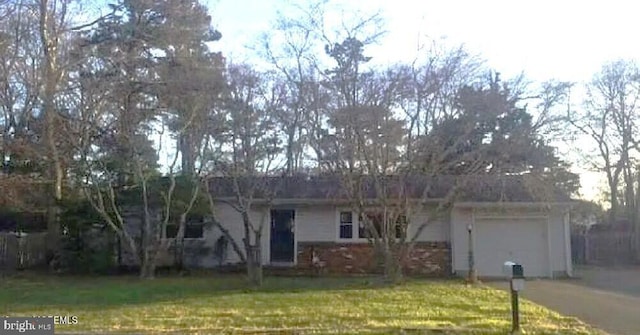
[(282, 235)]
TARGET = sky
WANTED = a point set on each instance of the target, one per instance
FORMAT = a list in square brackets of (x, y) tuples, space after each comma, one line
[(562, 39)]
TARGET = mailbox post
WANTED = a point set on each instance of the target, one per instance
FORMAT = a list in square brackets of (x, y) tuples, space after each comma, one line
[(515, 275)]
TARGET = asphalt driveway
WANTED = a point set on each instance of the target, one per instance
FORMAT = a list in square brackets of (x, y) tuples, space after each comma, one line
[(606, 298), (624, 280)]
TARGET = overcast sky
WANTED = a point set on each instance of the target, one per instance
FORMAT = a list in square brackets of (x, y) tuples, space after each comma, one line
[(562, 39)]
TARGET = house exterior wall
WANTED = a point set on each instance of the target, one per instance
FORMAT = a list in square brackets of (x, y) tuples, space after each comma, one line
[(316, 223), (231, 219), (317, 228), (560, 241), (554, 253), (436, 230), (312, 223), (321, 224), (460, 219), (317, 232), (441, 249)]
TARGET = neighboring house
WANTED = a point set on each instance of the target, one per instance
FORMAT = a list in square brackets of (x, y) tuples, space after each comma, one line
[(308, 219)]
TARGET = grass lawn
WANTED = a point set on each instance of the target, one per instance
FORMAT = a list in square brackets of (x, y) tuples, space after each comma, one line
[(222, 304)]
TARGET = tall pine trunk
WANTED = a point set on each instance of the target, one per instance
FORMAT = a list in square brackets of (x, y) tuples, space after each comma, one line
[(50, 76)]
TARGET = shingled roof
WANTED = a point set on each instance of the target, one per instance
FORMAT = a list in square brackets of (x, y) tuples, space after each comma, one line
[(482, 188)]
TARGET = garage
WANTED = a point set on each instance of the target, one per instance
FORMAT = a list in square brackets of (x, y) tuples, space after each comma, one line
[(522, 240)]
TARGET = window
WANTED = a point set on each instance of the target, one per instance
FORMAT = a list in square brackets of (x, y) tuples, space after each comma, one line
[(190, 231), (193, 229), (375, 219), (346, 225), (364, 223)]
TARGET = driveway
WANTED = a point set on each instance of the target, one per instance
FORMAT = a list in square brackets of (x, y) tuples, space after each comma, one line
[(606, 298), (625, 280)]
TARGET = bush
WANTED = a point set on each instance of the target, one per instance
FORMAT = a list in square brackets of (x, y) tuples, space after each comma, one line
[(87, 253), (87, 244)]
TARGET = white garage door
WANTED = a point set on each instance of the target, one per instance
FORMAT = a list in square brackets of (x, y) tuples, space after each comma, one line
[(523, 241)]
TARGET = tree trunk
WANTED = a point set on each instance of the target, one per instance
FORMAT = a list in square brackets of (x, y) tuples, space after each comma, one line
[(187, 155), (636, 220), (254, 265), (392, 266), (613, 198), (50, 77), (147, 268), (253, 251), (148, 259)]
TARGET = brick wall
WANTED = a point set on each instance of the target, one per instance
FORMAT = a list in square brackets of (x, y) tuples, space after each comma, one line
[(426, 258)]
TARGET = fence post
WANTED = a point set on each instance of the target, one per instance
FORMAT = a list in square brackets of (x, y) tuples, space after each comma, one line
[(587, 249), (3, 254), (8, 252)]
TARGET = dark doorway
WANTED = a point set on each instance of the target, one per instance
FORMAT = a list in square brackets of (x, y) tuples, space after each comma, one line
[(282, 235)]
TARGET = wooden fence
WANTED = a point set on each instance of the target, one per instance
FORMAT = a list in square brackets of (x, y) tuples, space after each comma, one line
[(603, 247), (22, 252)]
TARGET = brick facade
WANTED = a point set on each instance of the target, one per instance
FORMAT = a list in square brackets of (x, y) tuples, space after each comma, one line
[(426, 258)]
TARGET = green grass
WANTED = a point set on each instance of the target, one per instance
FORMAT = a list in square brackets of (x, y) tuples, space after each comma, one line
[(222, 304)]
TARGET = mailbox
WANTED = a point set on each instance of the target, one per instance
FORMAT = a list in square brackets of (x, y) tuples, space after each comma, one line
[(515, 273), (507, 269)]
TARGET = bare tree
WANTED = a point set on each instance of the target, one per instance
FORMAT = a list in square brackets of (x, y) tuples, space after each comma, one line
[(294, 60), (352, 124), (386, 185), (477, 139), (20, 78), (248, 149), (609, 120)]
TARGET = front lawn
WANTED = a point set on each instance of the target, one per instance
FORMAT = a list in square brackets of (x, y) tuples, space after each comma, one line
[(222, 304)]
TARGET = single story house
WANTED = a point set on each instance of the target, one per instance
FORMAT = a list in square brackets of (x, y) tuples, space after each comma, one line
[(308, 219)]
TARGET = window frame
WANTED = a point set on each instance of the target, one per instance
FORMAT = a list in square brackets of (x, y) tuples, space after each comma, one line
[(340, 224), (355, 224)]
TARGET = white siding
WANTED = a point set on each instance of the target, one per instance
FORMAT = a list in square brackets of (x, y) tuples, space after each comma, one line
[(320, 224), (557, 241), (232, 221), (436, 230), (312, 224), (460, 219), (316, 224)]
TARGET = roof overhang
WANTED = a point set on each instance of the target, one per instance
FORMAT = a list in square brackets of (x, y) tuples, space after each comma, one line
[(515, 204), (461, 204), (314, 201)]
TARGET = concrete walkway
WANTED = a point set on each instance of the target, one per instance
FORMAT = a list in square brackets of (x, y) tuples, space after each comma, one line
[(615, 313)]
